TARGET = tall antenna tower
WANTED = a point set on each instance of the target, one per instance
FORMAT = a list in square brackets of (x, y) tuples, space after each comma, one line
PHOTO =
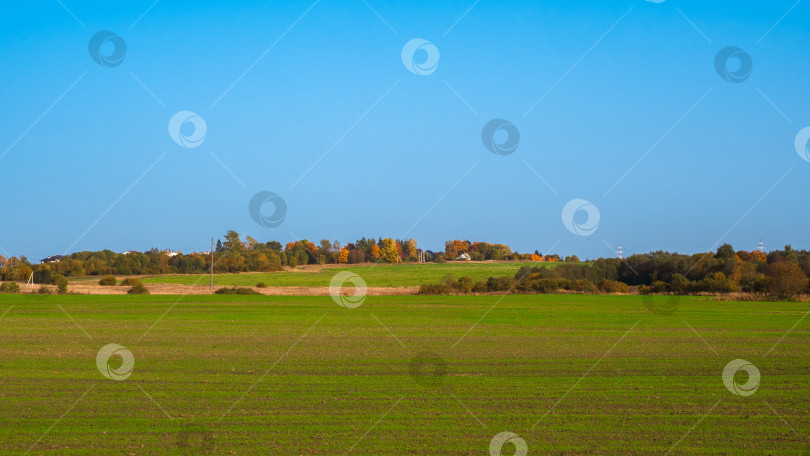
[(761, 249), (620, 252)]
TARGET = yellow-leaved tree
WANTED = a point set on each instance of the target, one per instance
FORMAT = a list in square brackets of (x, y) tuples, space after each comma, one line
[(389, 252)]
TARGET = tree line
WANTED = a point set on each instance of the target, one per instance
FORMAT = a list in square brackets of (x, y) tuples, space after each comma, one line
[(232, 255), (781, 274)]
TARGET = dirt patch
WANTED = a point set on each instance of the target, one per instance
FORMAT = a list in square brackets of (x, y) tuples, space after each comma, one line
[(178, 289)]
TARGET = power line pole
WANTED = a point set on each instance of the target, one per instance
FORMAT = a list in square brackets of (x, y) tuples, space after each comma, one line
[(211, 286)]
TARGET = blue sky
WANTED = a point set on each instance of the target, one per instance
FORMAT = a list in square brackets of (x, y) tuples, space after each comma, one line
[(88, 162)]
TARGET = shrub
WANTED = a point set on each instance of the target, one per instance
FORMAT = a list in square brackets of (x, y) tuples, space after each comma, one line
[(44, 290), (130, 282), (547, 285), (583, 286), (679, 284), (718, 283), (61, 284), (500, 283), (237, 290), (464, 284), (659, 286), (433, 289), (612, 286), (755, 284), (138, 289), (786, 280), (479, 287), (644, 289), (261, 285), (9, 287), (107, 281)]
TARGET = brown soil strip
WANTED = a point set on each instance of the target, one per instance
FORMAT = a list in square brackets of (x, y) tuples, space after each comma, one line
[(179, 289)]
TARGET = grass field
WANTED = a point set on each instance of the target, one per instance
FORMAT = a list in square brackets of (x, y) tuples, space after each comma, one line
[(382, 275), (570, 374)]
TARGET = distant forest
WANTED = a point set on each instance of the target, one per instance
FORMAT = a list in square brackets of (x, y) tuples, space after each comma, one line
[(781, 273), (235, 255)]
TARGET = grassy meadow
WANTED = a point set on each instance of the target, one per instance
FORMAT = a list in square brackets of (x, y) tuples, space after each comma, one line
[(375, 275), (400, 375)]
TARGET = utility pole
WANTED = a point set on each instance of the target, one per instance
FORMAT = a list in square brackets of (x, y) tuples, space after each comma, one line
[(211, 286)]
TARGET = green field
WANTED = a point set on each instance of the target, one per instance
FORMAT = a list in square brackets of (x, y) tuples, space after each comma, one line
[(570, 374), (378, 275)]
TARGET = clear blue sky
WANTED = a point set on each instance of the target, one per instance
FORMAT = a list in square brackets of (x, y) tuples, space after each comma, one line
[(617, 76)]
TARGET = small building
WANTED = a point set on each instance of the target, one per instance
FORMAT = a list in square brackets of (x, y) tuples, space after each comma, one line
[(51, 259), (169, 253), (463, 257)]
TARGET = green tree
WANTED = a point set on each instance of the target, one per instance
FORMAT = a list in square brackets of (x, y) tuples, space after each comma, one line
[(61, 284), (232, 242), (725, 251)]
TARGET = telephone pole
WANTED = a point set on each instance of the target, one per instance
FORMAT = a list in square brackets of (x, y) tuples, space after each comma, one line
[(211, 286)]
